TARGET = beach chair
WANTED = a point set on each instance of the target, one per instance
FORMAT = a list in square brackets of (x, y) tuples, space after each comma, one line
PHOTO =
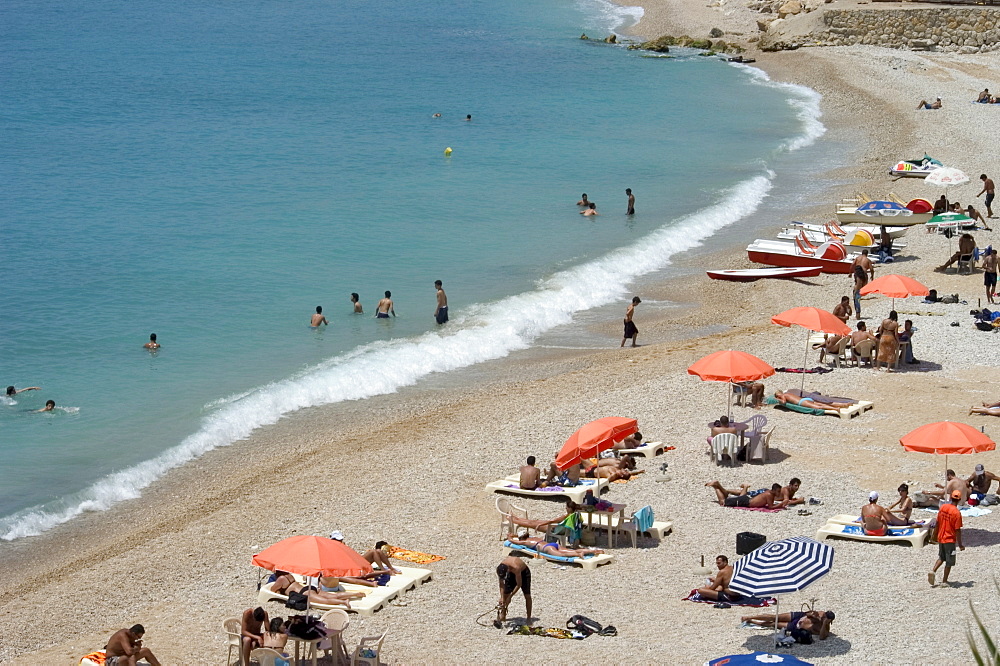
[(368, 649), (588, 563), (375, 598), (740, 393), (641, 522), (234, 639), (336, 622), (915, 536), (266, 656), (760, 445), (507, 511), (511, 485), (725, 443), (839, 354), (647, 450), (864, 350), (965, 262)]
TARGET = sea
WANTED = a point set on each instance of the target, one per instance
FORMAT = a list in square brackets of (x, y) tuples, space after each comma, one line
[(212, 172)]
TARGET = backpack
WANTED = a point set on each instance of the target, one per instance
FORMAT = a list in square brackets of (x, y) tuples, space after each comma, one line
[(297, 601), (587, 627)]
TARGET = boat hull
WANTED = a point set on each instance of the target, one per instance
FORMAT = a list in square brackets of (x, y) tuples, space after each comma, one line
[(754, 274), (778, 253)]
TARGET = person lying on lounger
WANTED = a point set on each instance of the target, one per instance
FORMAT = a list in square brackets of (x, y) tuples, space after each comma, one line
[(549, 547), (874, 517), (815, 622), (989, 409), (539, 525), (613, 469), (633, 441), (718, 589), (284, 584), (568, 478), (746, 498), (784, 398)]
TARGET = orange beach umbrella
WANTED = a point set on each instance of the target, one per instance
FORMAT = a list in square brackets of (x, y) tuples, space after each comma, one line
[(313, 556), (947, 438), (895, 286), (593, 438), (813, 319), (730, 366)]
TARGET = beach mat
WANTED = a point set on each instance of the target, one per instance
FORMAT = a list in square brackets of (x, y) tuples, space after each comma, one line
[(548, 632), (754, 602), (397, 553)]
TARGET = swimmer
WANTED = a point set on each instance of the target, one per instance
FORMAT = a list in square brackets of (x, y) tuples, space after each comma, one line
[(436, 115), (385, 306), (357, 303), (584, 201), (631, 201), (591, 209), (49, 406), (469, 117), (152, 344), (11, 391), (441, 311), (318, 318)]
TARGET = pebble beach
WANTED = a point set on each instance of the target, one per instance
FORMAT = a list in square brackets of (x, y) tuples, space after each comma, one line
[(410, 468)]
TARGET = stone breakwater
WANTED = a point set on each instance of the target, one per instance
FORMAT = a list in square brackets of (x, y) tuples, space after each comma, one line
[(957, 29)]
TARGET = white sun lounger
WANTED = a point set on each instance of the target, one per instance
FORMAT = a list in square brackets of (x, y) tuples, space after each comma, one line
[(855, 519), (375, 598), (511, 485), (857, 409), (648, 451), (588, 563), (916, 536), (407, 579)]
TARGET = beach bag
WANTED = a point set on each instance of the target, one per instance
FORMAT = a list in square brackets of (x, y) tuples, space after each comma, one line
[(297, 601), (588, 627), (307, 628)]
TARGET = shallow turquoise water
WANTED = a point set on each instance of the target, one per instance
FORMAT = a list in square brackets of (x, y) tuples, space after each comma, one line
[(212, 174)]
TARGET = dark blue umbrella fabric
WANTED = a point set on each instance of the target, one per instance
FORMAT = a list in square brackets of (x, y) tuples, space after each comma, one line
[(756, 659), (887, 208), (779, 567)]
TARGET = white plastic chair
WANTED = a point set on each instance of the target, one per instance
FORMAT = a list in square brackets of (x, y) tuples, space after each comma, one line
[(864, 350), (508, 509), (266, 656), (760, 445), (368, 650), (234, 639), (965, 261), (725, 443), (336, 622)]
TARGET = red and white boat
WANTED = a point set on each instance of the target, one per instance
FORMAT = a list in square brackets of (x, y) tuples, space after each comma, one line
[(831, 256), (754, 274)]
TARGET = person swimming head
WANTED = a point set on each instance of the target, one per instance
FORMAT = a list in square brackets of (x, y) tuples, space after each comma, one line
[(469, 117), (354, 297), (319, 309), (152, 337), (11, 391), (388, 294)]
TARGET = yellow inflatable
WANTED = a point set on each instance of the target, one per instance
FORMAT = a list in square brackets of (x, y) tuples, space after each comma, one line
[(447, 152)]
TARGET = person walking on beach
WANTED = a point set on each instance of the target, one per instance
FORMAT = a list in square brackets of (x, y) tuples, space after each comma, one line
[(356, 300), (631, 201), (385, 306), (441, 311), (124, 648), (990, 191), (949, 533), (630, 329), (318, 318), (152, 344), (514, 575), (863, 271)]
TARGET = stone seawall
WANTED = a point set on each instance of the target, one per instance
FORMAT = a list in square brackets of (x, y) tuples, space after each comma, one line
[(961, 29)]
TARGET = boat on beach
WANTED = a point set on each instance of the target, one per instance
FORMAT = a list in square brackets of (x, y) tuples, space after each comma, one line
[(831, 256), (855, 238), (894, 232), (918, 168), (754, 274), (850, 211)]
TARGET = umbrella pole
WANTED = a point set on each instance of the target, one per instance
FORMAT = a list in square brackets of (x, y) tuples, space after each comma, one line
[(777, 607), (805, 361), (729, 400)]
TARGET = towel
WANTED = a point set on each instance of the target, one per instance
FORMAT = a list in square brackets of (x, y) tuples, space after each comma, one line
[(554, 558), (756, 602), (818, 370), (548, 632), (547, 489), (643, 518), (893, 531), (96, 658), (966, 511), (397, 553), (770, 400), (762, 509)]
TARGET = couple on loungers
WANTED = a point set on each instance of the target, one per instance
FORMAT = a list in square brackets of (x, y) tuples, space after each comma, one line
[(876, 519), (549, 547), (777, 497), (828, 407), (285, 584)]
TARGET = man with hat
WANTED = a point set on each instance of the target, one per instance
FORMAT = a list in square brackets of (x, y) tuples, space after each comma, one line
[(949, 533), (980, 483)]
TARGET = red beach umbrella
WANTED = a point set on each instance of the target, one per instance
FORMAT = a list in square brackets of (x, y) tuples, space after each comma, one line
[(895, 286), (947, 438), (593, 438), (813, 319), (313, 556)]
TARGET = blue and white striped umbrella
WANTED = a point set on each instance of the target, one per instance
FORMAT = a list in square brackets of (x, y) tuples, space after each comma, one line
[(783, 566)]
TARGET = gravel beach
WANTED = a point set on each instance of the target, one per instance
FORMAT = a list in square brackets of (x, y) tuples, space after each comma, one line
[(410, 468)]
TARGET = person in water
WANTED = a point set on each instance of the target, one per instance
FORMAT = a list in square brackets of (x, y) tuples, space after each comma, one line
[(11, 391), (318, 318), (385, 306), (356, 300), (152, 344), (49, 406), (631, 201), (441, 311)]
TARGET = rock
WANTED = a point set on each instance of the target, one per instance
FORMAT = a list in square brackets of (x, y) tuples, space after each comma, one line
[(659, 45), (791, 7), (763, 25), (611, 40), (701, 44), (719, 45), (715, 32)]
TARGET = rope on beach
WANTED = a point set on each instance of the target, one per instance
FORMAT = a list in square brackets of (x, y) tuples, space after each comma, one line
[(480, 617)]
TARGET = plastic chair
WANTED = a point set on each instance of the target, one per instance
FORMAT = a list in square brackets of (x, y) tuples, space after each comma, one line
[(725, 443), (741, 394), (336, 622), (508, 509), (234, 639), (760, 445), (863, 350), (368, 650), (268, 657), (965, 261), (839, 353)]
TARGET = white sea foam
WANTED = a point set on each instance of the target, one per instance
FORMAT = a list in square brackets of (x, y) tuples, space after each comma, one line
[(804, 100), (609, 17), (484, 332)]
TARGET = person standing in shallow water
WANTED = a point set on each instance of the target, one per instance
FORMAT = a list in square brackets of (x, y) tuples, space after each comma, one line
[(318, 318), (356, 300), (152, 344), (441, 311), (385, 306), (630, 329), (631, 201)]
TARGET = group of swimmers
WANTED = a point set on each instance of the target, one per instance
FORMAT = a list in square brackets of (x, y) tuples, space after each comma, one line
[(590, 208), (386, 307), (49, 404)]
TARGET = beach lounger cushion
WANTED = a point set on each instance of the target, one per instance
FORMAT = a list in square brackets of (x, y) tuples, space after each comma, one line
[(916, 536), (511, 485), (646, 450), (589, 562)]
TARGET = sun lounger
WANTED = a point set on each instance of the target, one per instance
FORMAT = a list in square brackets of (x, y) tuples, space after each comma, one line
[(375, 598), (511, 485), (855, 519), (408, 578), (647, 450), (858, 408), (588, 563), (917, 536)]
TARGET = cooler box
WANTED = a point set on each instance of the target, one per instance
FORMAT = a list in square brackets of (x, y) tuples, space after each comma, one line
[(747, 542)]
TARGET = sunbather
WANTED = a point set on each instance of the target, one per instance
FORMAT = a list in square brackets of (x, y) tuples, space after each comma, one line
[(568, 478), (899, 513), (756, 391), (633, 441), (788, 492), (988, 410), (611, 472), (815, 622), (830, 407), (746, 498), (284, 584), (124, 648), (718, 589), (549, 547), (530, 475), (538, 525), (379, 557), (334, 584), (874, 517)]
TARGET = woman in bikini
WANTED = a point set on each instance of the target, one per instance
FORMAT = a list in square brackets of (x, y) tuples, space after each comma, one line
[(284, 584), (550, 547), (808, 402)]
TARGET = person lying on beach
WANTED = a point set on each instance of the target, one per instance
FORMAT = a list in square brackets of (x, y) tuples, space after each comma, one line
[(275, 637), (842, 310), (981, 480), (336, 585), (11, 391), (531, 476), (284, 584), (591, 209), (124, 648), (632, 441), (756, 391), (988, 410), (874, 517), (984, 97), (936, 104), (746, 498), (540, 525), (549, 547), (788, 492), (718, 589), (611, 473), (830, 407), (584, 201), (815, 622)]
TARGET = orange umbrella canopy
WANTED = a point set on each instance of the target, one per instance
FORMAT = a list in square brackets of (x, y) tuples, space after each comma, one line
[(730, 366), (593, 438), (312, 556), (812, 318), (895, 286), (947, 437)]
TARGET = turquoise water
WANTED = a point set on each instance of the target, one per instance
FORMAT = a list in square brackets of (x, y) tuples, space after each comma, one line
[(212, 173)]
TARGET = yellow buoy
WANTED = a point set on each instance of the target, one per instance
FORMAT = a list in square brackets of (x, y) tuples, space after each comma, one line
[(447, 152)]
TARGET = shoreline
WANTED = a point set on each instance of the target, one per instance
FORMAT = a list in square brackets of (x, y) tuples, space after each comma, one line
[(211, 513)]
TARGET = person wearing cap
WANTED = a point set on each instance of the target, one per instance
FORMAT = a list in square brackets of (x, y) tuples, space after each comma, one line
[(981, 481), (949, 534), (925, 105), (874, 517), (630, 330)]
